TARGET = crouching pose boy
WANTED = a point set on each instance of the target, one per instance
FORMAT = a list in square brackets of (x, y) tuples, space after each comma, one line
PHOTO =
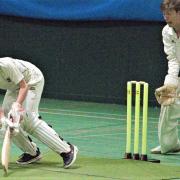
[(24, 83), (167, 94)]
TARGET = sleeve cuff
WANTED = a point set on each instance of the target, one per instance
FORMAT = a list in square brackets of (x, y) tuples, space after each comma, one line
[(169, 79)]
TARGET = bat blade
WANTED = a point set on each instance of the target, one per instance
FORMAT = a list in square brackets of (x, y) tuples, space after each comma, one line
[(6, 150)]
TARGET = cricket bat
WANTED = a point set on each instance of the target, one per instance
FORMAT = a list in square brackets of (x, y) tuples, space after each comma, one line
[(5, 154)]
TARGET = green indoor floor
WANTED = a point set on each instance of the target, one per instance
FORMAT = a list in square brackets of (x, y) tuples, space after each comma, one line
[(99, 131)]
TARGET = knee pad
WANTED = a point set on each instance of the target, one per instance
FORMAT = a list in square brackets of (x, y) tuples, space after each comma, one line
[(24, 142), (49, 137), (30, 122)]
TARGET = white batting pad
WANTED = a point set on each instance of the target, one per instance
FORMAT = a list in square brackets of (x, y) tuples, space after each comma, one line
[(22, 141), (49, 137)]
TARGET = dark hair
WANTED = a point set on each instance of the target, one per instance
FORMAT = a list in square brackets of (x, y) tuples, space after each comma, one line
[(170, 5)]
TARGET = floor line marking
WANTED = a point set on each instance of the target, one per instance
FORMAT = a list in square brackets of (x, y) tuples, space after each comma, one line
[(88, 116), (69, 110)]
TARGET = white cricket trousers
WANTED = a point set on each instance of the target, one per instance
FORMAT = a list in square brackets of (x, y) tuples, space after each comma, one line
[(167, 128)]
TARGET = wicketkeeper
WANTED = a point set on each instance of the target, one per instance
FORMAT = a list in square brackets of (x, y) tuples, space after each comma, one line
[(168, 95), (24, 83)]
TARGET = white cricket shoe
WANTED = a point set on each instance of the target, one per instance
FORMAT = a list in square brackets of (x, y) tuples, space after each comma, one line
[(156, 150)]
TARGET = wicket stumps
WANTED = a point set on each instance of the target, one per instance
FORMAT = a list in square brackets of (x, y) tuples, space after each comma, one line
[(137, 85)]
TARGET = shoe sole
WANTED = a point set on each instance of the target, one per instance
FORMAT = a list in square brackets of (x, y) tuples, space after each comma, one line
[(74, 158), (155, 152), (159, 152), (175, 151), (31, 161)]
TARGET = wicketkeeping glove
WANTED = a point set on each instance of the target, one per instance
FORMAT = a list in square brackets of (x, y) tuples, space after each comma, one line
[(166, 94)]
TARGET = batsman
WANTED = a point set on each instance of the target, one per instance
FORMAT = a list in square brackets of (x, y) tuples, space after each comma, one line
[(24, 84), (168, 96)]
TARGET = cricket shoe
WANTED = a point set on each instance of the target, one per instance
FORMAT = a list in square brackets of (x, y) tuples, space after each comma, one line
[(157, 150), (26, 158), (70, 157)]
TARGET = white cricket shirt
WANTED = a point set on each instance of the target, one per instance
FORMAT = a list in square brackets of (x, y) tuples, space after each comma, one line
[(12, 71), (172, 49)]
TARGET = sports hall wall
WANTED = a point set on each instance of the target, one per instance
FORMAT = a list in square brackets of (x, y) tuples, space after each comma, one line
[(87, 50), (89, 61)]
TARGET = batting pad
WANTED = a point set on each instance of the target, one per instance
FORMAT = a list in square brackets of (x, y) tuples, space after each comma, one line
[(22, 141), (49, 137)]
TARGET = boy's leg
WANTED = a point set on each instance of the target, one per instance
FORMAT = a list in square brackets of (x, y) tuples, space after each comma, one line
[(167, 129), (43, 132), (31, 151)]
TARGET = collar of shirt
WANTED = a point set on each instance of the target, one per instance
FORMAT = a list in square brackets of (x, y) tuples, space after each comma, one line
[(172, 32)]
